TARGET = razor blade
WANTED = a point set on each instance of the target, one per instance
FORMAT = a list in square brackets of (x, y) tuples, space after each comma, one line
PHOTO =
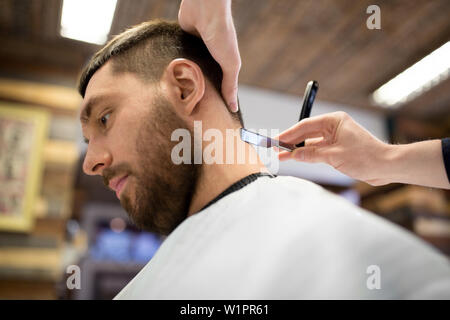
[(263, 141)]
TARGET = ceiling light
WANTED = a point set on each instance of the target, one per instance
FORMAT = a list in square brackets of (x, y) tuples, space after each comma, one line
[(420, 77), (87, 20)]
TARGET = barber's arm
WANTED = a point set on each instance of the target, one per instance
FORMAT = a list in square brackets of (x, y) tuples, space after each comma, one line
[(341, 142), (212, 21)]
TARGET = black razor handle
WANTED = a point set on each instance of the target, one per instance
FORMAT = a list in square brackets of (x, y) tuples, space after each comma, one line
[(310, 94)]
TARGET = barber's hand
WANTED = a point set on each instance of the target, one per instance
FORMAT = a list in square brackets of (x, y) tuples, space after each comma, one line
[(339, 141), (212, 21)]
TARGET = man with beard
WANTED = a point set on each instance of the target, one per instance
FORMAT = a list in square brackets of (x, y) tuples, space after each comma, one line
[(234, 232)]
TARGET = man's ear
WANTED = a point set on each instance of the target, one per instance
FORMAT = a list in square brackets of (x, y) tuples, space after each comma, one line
[(184, 84)]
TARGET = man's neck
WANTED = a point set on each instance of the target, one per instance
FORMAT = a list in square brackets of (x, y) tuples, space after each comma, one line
[(214, 178)]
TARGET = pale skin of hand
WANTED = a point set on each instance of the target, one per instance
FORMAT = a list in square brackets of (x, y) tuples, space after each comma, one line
[(338, 140), (212, 21)]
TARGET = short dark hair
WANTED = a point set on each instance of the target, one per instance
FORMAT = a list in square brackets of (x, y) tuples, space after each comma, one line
[(147, 49)]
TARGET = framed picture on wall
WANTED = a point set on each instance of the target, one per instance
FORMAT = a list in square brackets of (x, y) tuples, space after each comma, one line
[(23, 131)]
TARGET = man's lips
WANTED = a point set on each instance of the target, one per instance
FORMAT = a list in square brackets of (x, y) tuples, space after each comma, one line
[(117, 184)]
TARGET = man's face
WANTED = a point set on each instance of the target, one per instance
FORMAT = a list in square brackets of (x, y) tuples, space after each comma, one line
[(128, 124)]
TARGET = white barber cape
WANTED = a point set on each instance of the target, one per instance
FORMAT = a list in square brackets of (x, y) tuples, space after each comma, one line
[(288, 238)]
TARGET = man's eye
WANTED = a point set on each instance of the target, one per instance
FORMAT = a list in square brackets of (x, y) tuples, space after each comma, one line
[(104, 119)]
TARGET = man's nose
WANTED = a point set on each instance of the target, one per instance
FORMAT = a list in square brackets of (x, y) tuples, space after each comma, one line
[(96, 160)]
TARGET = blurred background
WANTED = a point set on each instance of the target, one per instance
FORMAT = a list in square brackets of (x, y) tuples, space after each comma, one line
[(53, 216)]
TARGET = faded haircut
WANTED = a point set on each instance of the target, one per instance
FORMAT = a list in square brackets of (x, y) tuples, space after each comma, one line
[(147, 49)]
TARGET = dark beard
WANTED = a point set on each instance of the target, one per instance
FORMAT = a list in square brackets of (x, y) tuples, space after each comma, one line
[(163, 190)]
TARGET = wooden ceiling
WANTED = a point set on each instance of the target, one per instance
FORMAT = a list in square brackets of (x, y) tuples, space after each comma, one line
[(283, 44)]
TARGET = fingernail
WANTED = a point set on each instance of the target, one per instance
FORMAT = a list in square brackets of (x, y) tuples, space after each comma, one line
[(299, 155), (234, 107)]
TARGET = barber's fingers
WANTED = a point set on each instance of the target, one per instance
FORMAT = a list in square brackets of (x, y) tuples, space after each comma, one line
[(320, 126), (187, 17), (284, 155), (319, 141), (230, 83), (223, 46), (310, 154)]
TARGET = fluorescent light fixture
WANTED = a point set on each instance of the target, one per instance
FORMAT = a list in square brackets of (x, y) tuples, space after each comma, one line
[(415, 80), (87, 20)]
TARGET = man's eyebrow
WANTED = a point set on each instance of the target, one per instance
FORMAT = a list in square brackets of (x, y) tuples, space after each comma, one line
[(87, 110)]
